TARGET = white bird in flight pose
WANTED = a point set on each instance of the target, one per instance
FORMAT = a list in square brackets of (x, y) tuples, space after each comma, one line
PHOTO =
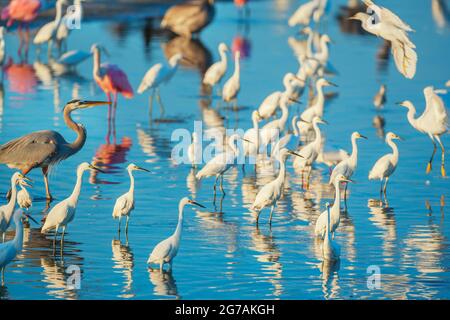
[(331, 251), (216, 72), (166, 250), (335, 215), (271, 192), (386, 165), (64, 212), (348, 166), (232, 87), (433, 121), (125, 203), (387, 25), (7, 210)]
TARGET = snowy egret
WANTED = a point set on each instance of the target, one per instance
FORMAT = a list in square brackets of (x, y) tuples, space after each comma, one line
[(125, 203), (10, 249), (269, 105), (271, 192), (233, 84), (216, 72), (386, 165), (219, 164), (380, 98), (166, 250), (433, 121), (47, 33), (335, 216), (252, 148), (304, 13), (330, 250), (158, 74), (348, 166), (194, 150), (24, 199), (7, 210), (387, 25), (316, 109), (64, 212)]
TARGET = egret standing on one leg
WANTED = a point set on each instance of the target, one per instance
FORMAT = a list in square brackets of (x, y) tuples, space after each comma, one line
[(330, 250), (216, 72), (44, 149), (233, 85), (433, 121), (7, 210), (64, 212), (335, 219), (166, 250), (157, 75), (270, 193), (125, 203), (386, 165)]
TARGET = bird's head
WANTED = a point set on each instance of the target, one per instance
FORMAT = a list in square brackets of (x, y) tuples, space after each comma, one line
[(358, 135), (133, 167), (392, 136), (87, 166), (341, 178), (326, 38), (186, 201), (223, 47), (83, 104), (175, 59), (407, 104), (19, 178), (256, 116), (318, 120), (361, 16), (322, 82)]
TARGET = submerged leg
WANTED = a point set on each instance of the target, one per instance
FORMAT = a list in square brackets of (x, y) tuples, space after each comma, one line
[(3, 276), (385, 188), (126, 225), (221, 184), (150, 105), (429, 165), (381, 190), (47, 187), (120, 219), (54, 239), (271, 213), (443, 156), (161, 106)]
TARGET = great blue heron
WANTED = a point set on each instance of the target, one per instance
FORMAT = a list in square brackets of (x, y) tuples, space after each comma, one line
[(43, 149), (189, 18)]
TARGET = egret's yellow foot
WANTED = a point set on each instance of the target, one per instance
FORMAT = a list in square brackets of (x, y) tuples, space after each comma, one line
[(444, 174), (428, 167)]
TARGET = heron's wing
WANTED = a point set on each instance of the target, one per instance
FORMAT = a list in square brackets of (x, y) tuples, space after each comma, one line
[(435, 109), (150, 77), (179, 14), (33, 149)]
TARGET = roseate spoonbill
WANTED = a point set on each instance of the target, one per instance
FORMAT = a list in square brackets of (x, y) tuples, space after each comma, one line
[(64, 212), (433, 121), (45, 149), (166, 250), (190, 18), (125, 203)]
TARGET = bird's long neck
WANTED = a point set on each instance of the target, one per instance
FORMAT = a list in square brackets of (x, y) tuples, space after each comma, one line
[(18, 238), (77, 189), (12, 201), (177, 232), (323, 49), (320, 98), (309, 42), (284, 115), (237, 68), (130, 173), (97, 61), (294, 126), (318, 139), (354, 155), (58, 13), (411, 116), (282, 173), (394, 148), (80, 130), (328, 233), (223, 59), (337, 197)]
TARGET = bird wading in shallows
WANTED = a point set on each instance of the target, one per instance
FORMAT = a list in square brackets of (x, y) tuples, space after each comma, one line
[(386, 165), (44, 149), (64, 212), (7, 210), (125, 203), (187, 19), (166, 250), (433, 121)]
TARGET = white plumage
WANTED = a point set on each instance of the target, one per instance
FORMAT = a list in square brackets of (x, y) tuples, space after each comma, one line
[(47, 33), (311, 151), (233, 84), (159, 73), (10, 249), (24, 199), (331, 251), (304, 13), (216, 71)]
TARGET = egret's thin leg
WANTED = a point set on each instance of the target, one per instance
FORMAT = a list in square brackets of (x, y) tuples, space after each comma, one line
[(429, 166), (271, 213), (257, 217), (381, 189), (56, 233), (62, 238), (161, 106), (150, 105), (443, 156), (221, 184), (3, 236), (385, 188), (161, 266), (120, 219), (126, 226)]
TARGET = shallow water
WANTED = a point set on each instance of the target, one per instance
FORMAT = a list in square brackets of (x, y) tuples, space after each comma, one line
[(223, 255)]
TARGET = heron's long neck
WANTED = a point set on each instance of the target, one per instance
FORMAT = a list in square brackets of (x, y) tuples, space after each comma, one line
[(12, 201), (284, 115), (323, 54), (177, 232), (131, 181), (282, 173), (77, 189), (97, 59), (81, 132), (394, 148), (294, 126), (18, 238), (309, 41), (354, 155), (328, 233)]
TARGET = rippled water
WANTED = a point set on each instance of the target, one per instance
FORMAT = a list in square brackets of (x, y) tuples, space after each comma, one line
[(223, 255)]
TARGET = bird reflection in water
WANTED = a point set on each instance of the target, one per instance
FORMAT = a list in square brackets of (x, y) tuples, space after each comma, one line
[(241, 41), (384, 219), (383, 55), (123, 259), (440, 12), (21, 77), (164, 283), (330, 278), (379, 123)]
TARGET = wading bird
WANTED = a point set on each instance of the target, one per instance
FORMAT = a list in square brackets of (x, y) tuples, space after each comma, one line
[(335, 216), (251, 148), (330, 250), (304, 13), (44, 149), (125, 203), (233, 84), (387, 25), (386, 165), (47, 33), (7, 210), (380, 98), (194, 150), (348, 166), (166, 250), (216, 72), (24, 199), (64, 212), (111, 79), (190, 18), (433, 121), (156, 76), (271, 192), (10, 249)]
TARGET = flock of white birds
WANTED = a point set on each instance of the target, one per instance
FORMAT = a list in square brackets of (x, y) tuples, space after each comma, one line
[(313, 56)]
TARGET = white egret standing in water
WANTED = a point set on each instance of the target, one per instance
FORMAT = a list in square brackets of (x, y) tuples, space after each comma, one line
[(330, 250), (216, 71), (166, 250), (233, 84), (433, 121), (125, 203)]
